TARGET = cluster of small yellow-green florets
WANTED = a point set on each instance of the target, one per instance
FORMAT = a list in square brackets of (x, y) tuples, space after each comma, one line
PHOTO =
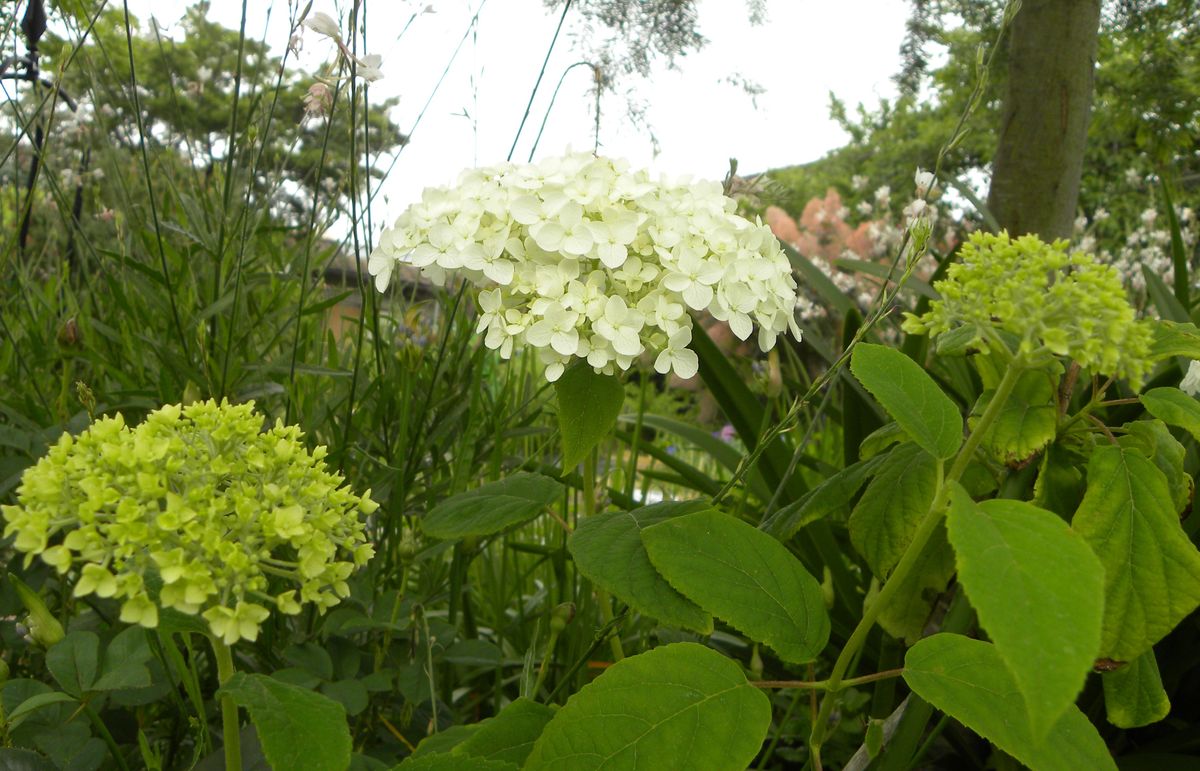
[(1065, 303), (231, 518)]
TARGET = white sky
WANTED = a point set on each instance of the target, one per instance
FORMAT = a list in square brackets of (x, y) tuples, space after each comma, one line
[(804, 50)]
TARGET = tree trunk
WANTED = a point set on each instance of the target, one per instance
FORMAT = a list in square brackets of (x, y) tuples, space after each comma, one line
[(1043, 130)]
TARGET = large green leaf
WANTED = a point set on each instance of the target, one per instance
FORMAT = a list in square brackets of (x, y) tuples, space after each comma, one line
[(1039, 593), (1027, 422), (297, 727), (73, 661), (682, 706), (968, 680), (492, 507), (1154, 440), (588, 406), (744, 577), (1134, 695), (608, 550), (826, 499), (509, 736), (1152, 570), (1174, 407), (891, 508), (125, 662), (910, 396)]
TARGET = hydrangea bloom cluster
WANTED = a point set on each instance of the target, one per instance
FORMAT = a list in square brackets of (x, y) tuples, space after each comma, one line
[(579, 257), (1066, 303), (195, 509)]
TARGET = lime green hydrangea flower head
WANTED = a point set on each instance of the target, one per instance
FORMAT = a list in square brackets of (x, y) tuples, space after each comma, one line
[(196, 509), (1067, 304)]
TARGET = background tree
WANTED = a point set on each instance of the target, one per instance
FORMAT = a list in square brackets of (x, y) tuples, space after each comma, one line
[(1044, 124)]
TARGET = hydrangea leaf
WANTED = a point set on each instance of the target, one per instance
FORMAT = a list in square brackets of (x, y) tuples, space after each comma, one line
[(588, 406), (509, 736), (1134, 695), (297, 727), (442, 742), (1154, 440), (678, 707), (744, 577), (74, 660), (968, 680), (1152, 569), (1027, 422), (492, 507), (608, 549), (899, 495), (1174, 407), (1060, 482), (910, 396), (1172, 338), (906, 615), (1039, 593)]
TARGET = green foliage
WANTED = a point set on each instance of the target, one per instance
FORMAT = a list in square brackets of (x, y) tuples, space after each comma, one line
[(608, 549), (1152, 569), (1028, 421), (744, 577), (1038, 590), (683, 705), (968, 680), (492, 507), (911, 397), (588, 406), (227, 261), (883, 522), (1134, 695), (297, 727)]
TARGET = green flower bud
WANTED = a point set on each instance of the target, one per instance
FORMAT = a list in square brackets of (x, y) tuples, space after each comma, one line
[(561, 616), (199, 498), (827, 593), (1051, 302), (756, 664), (43, 627)]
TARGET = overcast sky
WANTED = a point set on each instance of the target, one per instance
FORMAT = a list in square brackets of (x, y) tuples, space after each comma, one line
[(802, 51)]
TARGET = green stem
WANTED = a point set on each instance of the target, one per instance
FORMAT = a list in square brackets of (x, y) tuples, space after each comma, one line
[(545, 667), (106, 735), (911, 555), (589, 509), (230, 730)]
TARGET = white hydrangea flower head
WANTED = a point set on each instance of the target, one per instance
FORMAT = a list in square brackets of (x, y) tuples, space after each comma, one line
[(578, 257)]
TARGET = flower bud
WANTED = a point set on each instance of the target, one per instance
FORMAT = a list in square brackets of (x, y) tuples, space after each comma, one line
[(70, 335), (4, 671), (43, 627), (827, 588), (561, 616), (756, 664)]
